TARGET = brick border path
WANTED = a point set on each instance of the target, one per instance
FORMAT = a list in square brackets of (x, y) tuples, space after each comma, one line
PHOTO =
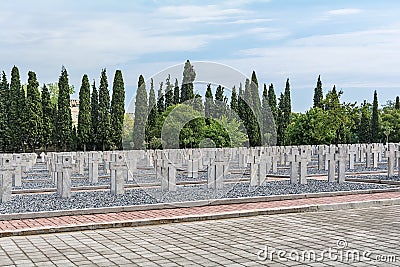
[(81, 222)]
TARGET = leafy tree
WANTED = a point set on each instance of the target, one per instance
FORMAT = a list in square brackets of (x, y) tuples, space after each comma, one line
[(4, 105), (318, 94), (141, 109), (375, 120), (169, 93), (397, 105), (47, 118), (272, 102), (127, 133), (117, 110), (189, 76), (64, 121), (33, 112), (160, 100), (198, 103), (364, 132), (176, 92), (94, 102), (391, 124), (84, 115), (104, 125)]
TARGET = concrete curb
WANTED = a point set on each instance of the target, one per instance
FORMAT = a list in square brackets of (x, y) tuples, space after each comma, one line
[(373, 181), (203, 217), (188, 204)]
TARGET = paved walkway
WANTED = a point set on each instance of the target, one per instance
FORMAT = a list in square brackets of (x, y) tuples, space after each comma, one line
[(129, 218), (358, 237)]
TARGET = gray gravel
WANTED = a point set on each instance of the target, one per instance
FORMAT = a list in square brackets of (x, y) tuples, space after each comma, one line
[(378, 177), (96, 199)]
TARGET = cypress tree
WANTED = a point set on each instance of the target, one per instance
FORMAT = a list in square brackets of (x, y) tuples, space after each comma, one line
[(219, 106), (241, 105), (33, 112), (250, 120), (84, 117), (94, 102), (364, 128), (375, 120), (268, 125), (160, 100), (281, 121), (64, 118), (198, 103), (208, 104), (397, 105), (318, 94), (288, 104), (117, 109), (152, 111), (176, 92), (234, 101), (104, 126), (272, 102), (189, 76), (15, 110), (47, 118), (141, 109), (255, 95), (169, 93), (4, 103)]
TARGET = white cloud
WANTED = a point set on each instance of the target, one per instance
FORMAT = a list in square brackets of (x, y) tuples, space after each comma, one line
[(344, 11)]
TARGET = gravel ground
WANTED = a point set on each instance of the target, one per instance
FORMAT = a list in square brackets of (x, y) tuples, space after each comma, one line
[(81, 200)]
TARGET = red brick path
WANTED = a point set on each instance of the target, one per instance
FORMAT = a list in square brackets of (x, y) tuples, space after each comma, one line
[(64, 221)]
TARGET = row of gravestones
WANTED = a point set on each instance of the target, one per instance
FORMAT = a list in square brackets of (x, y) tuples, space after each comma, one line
[(122, 165), (12, 167)]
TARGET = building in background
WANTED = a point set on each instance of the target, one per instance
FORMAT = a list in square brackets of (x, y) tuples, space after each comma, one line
[(74, 103)]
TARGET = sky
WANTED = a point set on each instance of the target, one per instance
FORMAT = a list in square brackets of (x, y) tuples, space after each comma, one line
[(351, 44)]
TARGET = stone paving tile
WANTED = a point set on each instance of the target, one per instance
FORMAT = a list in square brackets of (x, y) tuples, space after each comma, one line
[(233, 242)]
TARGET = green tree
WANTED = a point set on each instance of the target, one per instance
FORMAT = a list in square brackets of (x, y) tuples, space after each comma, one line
[(169, 93), (281, 126), (104, 124), (234, 101), (272, 102), (209, 104), (117, 110), (176, 92), (47, 118), (268, 124), (141, 109), (15, 111), (255, 95), (64, 119), (364, 128), (219, 106), (4, 104), (94, 103), (397, 105), (189, 76), (250, 120), (84, 115), (152, 111), (160, 99), (375, 120), (127, 134), (33, 112), (318, 94)]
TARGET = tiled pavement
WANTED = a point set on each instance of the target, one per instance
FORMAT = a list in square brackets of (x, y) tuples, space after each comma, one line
[(233, 242), (77, 220)]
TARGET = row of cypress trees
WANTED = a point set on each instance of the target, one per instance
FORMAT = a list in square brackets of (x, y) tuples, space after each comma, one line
[(261, 118), (30, 120)]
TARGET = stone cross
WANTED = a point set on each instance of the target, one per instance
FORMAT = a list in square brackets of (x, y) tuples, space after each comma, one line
[(390, 154), (304, 158), (17, 175), (118, 171), (168, 173), (216, 171), (64, 169), (321, 157), (5, 179), (341, 157), (330, 157), (352, 152), (93, 158), (375, 150), (292, 158)]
